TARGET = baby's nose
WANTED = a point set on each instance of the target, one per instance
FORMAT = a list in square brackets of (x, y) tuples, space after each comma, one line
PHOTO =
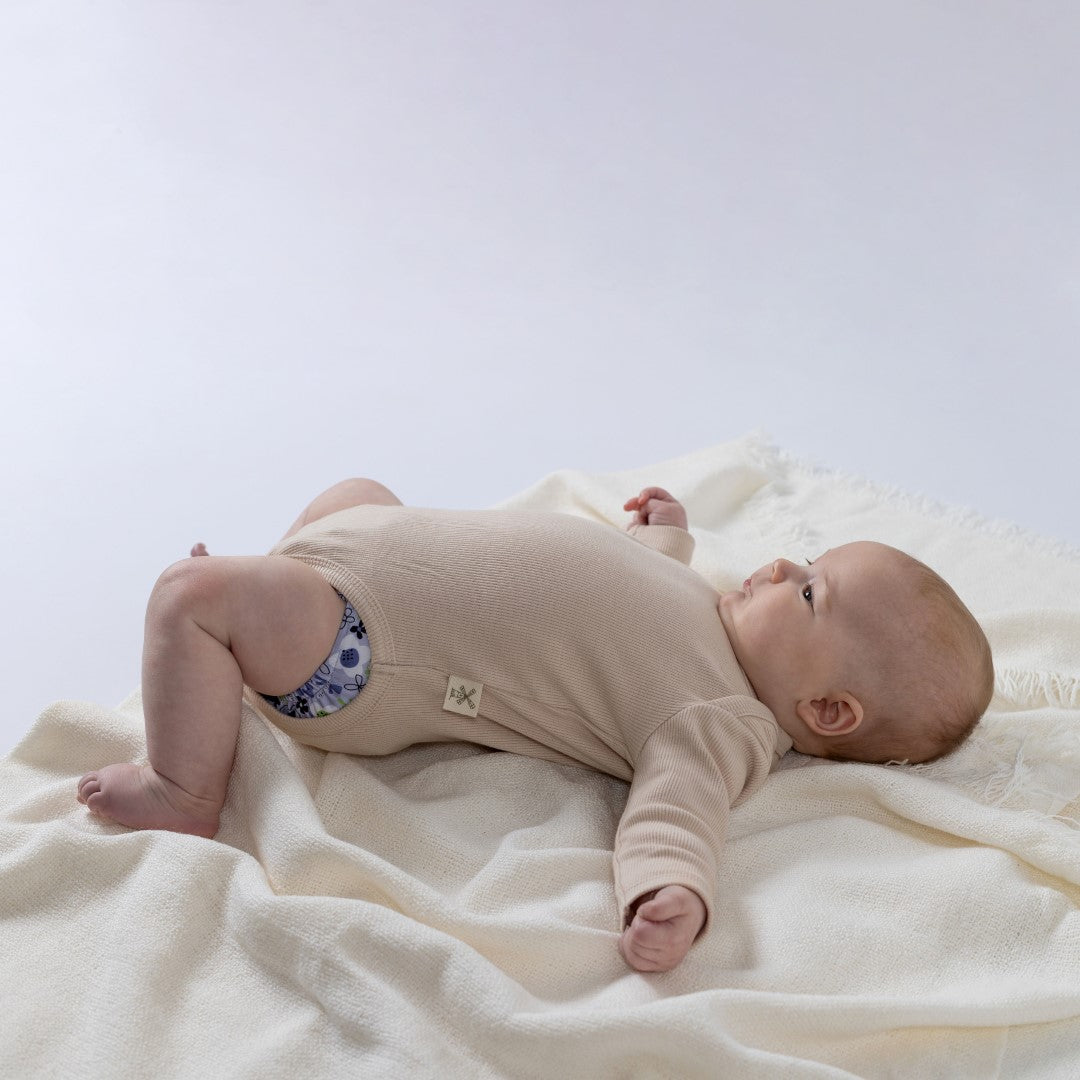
[(780, 570)]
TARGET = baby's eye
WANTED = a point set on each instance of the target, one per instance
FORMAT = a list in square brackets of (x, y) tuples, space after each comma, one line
[(808, 594)]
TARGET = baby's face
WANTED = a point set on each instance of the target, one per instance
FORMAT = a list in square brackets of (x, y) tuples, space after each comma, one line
[(793, 627)]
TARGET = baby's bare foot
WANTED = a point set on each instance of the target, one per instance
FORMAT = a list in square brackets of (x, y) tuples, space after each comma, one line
[(141, 798), (199, 549)]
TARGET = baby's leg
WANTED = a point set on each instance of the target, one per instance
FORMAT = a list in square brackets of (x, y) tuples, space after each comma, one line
[(341, 496), (354, 492), (211, 626)]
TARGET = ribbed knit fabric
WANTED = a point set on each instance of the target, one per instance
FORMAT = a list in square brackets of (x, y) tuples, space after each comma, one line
[(589, 645)]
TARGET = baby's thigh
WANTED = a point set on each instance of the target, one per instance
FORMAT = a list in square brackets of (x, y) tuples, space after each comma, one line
[(277, 616)]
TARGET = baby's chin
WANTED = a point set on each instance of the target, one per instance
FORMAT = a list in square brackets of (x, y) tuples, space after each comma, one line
[(725, 601)]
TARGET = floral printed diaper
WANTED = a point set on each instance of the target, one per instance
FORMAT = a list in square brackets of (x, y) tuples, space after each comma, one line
[(341, 676)]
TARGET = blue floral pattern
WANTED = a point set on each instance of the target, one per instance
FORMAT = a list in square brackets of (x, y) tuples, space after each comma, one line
[(340, 677)]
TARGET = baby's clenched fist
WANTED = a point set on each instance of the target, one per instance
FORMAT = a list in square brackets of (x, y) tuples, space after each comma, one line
[(664, 927), (655, 506)]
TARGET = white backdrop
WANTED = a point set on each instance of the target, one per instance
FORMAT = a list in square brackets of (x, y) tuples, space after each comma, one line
[(248, 249)]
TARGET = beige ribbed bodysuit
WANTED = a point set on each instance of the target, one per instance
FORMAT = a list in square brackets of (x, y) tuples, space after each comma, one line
[(557, 637)]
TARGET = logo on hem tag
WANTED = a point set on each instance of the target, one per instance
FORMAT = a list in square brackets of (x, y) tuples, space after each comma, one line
[(462, 696)]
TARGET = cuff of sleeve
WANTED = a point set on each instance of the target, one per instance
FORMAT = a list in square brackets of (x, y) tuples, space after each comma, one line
[(669, 540)]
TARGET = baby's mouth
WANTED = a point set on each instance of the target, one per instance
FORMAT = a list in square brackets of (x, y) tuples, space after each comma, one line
[(748, 588)]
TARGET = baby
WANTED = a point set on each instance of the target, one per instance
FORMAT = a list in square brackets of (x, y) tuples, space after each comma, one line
[(372, 626)]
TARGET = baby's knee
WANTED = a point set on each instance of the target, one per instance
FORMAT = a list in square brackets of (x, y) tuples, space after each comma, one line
[(358, 490), (187, 586)]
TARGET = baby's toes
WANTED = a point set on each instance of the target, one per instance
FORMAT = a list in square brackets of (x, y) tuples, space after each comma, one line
[(88, 785)]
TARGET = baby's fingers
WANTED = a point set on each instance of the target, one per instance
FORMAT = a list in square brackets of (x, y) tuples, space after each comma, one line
[(639, 504), (645, 495), (663, 906), (652, 947), (655, 506)]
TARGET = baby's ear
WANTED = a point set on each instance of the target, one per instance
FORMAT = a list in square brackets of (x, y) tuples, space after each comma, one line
[(839, 715)]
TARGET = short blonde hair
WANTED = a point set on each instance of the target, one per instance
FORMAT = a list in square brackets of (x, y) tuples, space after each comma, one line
[(923, 688)]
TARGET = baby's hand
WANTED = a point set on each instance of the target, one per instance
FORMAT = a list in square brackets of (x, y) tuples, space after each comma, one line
[(663, 929), (654, 506)]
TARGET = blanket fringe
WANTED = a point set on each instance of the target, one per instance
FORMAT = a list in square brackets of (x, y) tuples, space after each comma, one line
[(1005, 766), (1037, 689), (767, 453)]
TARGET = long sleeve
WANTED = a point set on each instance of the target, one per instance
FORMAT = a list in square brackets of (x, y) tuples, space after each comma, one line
[(687, 776), (667, 539)]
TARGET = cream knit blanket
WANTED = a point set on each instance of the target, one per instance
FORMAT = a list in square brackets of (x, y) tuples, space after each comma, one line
[(446, 912)]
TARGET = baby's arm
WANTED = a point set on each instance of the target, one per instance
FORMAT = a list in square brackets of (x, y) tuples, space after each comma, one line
[(664, 926), (686, 776)]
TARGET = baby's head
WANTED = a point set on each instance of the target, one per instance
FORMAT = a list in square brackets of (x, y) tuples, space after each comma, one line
[(863, 655)]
